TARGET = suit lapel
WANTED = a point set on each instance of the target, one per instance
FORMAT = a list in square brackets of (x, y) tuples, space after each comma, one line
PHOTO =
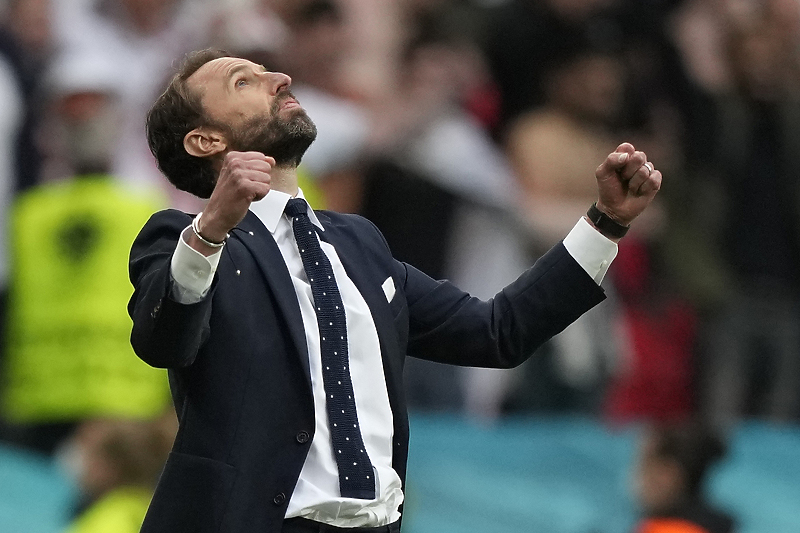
[(367, 278), (258, 240)]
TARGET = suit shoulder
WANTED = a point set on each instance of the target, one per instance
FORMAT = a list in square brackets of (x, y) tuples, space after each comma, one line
[(160, 233), (166, 217), (362, 227), (163, 223)]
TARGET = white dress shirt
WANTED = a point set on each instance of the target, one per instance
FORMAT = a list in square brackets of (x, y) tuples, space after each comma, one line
[(316, 495)]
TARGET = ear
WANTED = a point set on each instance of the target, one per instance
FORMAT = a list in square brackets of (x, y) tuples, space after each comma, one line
[(204, 142)]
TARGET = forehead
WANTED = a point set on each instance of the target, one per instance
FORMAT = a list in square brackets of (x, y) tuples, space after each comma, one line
[(217, 70)]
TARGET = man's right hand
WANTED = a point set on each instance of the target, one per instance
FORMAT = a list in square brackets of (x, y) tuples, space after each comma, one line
[(244, 178)]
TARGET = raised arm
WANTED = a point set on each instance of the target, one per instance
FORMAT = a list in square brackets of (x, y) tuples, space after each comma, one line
[(166, 333), (449, 326)]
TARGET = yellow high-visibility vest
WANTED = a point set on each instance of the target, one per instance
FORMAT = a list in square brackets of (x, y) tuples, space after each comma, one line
[(68, 350), (120, 511)]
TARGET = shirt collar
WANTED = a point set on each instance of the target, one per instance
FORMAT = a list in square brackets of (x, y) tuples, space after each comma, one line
[(270, 209)]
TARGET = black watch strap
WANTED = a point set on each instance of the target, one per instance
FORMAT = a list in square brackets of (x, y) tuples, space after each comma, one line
[(607, 225)]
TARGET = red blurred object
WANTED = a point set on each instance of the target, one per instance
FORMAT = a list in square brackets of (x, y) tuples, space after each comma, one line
[(657, 377), (483, 103)]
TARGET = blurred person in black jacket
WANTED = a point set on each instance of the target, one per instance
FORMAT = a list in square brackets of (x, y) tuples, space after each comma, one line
[(753, 366)]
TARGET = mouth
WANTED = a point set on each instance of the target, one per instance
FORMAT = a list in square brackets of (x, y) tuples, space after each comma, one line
[(289, 103)]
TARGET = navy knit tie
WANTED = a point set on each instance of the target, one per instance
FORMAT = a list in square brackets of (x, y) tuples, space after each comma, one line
[(356, 478)]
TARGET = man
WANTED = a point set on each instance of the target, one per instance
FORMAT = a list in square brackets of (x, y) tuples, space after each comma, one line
[(285, 336)]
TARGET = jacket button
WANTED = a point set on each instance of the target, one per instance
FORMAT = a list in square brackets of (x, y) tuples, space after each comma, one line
[(279, 498), (302, 437)]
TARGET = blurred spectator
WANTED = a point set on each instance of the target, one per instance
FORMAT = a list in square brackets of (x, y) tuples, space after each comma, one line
[(671, 473), (117, 464), (144, 37), (26, 45), (556, 147), (377, 32), (555, 150), (445, 198), (523, 34), (69, 355), (754, 348)]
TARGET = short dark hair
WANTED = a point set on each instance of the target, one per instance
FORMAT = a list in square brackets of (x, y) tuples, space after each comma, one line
[(694, 446), (175, 113)]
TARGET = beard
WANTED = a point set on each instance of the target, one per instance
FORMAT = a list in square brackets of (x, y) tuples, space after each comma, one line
[(284, 138)]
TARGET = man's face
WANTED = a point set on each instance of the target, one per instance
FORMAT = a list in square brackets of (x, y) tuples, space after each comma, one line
[(253, 109)]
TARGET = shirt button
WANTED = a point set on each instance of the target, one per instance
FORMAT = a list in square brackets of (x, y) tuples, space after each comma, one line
[(279, 498), (302, 437)]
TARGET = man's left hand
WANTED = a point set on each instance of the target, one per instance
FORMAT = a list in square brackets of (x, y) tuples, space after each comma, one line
[(626, 184)]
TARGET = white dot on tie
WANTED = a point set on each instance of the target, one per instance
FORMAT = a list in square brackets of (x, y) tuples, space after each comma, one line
[(309, 233), (312, 279), (331, 395), (323, 338), (328, 368), (335, 353), (319, 309), (349, 397), (316, 262), (355, 464), (302, 250), (362, 451), (347, 478), (335, 425), (342, 337), (250, 232), (340, 383), (340, 451), (331, 323), (238, 272), (342, 411), (347, 438), (355, 426), (324, 293), (367, 477), (337, 307), (329, 277)]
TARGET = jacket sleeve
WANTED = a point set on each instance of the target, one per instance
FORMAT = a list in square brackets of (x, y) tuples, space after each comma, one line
[(166, 334), (448, 325)]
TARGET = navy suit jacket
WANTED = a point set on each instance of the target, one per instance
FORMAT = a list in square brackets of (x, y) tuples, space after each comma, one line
[(238, 360)]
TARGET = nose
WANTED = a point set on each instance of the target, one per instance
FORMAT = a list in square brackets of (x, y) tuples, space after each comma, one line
[(277, 82)]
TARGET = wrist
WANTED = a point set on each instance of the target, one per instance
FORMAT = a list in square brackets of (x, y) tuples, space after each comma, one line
[(606, 222), (207, 233)]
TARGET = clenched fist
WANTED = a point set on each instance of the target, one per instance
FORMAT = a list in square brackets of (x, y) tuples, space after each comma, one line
[(626, 184), (244, 178)]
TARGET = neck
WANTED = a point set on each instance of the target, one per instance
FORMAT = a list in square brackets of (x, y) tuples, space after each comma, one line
[(284, 179)]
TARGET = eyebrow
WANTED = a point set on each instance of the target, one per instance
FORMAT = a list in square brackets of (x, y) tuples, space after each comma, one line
[(239, 68)]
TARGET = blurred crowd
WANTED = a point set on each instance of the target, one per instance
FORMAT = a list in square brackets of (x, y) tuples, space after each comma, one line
[(468, 131)]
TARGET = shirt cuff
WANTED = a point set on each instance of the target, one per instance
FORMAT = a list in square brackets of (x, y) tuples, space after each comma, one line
[(592, 251), (192, 272)]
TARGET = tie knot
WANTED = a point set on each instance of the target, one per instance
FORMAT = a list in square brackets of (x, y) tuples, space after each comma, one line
[(296, 206)]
